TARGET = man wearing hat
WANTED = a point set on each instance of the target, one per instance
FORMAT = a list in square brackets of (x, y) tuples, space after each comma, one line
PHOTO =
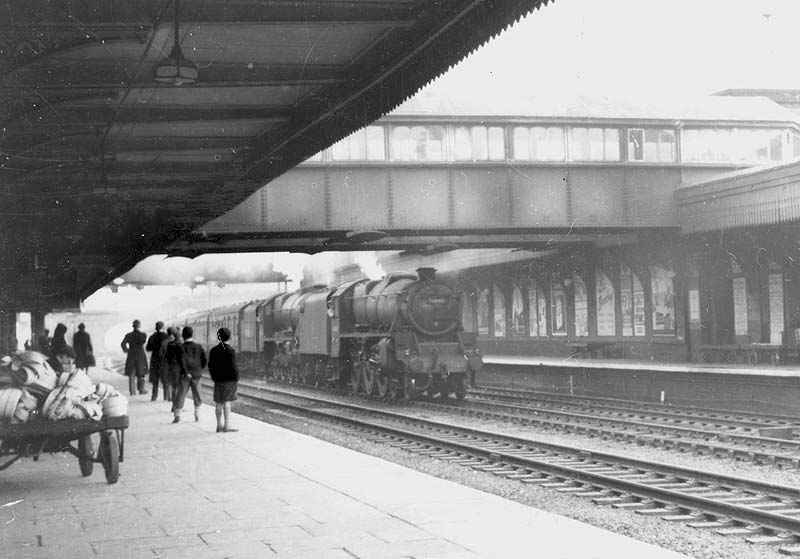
[(136, 362)]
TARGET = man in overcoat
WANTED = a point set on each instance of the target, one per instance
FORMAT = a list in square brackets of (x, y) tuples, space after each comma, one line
[(136, 362), (157, 360)]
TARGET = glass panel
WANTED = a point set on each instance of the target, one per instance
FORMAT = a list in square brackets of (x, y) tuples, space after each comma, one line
[(435, 144), (775, 147), (606, 311), (340, 151), (358, 146), (581, 307), (667, 151), (635, 145), (499, 313), (376, 146), (596, 144), (651, 145), (795, 145), (663, 299), (315, 157), (552, 148), (580, 144), (480, 144), (497, 145), (401, 146), (483, 312), (517, 313), (558, 302), (612, 144), (463, 150), (521, 144)]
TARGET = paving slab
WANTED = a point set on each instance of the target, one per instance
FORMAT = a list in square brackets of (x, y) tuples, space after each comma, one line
[(185, 491)]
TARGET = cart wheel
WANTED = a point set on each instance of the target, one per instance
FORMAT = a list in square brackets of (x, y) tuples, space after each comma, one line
[(86, 455), (109, 454)]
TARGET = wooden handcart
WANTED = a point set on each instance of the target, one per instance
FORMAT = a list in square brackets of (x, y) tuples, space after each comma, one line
[(38, 436)]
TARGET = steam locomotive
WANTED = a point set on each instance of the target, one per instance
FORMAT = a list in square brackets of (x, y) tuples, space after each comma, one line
[(397, 337)]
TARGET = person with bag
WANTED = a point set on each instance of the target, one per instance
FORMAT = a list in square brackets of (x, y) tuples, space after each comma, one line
[(82, 344), (225, 374), (192, 365)]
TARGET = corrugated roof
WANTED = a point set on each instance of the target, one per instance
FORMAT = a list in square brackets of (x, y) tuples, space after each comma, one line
[(435, 101)]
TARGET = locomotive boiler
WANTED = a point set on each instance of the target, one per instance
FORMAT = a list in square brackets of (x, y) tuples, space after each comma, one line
[(396, 337)]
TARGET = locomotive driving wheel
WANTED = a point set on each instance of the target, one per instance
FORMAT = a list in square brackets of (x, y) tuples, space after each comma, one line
[(370, 374)]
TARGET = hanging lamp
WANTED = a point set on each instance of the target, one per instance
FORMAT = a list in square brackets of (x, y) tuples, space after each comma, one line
[(176, 69)]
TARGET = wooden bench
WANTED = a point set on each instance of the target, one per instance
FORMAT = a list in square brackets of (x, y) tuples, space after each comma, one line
[(591, 348)]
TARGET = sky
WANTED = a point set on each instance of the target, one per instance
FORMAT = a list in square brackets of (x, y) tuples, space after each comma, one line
[(641, 48), (627, 49)]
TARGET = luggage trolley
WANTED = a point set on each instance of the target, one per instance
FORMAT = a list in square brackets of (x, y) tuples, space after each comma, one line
[(21, 440)]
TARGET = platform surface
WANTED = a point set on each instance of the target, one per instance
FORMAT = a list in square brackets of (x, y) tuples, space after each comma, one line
[(186, 491), (634, 366)]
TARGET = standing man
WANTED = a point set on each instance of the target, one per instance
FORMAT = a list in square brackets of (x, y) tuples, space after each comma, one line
[(194, 361), (225, 374), (156, 359), (136, 363), (82, 344), (169, 364)]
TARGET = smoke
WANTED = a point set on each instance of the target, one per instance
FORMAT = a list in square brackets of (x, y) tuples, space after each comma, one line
[(331, 268)]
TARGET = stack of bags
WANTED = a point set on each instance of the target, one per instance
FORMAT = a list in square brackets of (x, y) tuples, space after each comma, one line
[(30, 388)]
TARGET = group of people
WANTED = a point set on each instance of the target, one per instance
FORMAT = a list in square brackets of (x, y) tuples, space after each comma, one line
[(176, 364), (59, 352)]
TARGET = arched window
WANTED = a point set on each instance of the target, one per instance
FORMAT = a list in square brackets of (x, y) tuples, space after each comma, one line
[(517, 313), (663, 290), (581, 306), (483, 312), (558, 309), (537, 309), (632, 299), (606, 311), (499, 306)]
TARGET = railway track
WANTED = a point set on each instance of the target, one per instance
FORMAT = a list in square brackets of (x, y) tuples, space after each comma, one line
[(737, 436), (681, 415), (761, 512)]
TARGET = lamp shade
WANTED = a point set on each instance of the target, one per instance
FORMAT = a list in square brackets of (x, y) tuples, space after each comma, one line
[(176, 69)]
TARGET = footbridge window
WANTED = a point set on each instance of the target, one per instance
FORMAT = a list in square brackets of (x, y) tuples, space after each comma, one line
[(539, 143), (595, 144), (581, 301), (417, 143), (656, 145), (479, 143), (606, 304), (663, 290), (499, 307), (632, 300), (367, 144), (732, 145)]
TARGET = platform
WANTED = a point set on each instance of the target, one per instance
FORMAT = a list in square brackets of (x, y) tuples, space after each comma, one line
[(751, 388), (186, 491)]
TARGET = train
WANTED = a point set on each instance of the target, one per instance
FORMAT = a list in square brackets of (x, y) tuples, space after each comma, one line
[(397, 337)]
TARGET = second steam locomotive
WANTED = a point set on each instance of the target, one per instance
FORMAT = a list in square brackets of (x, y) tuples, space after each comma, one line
[(397, 337)]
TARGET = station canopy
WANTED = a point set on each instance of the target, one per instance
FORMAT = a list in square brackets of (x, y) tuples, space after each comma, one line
[(128, 123)]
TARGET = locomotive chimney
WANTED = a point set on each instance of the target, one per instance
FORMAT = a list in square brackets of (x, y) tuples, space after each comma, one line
[(426, 274)]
